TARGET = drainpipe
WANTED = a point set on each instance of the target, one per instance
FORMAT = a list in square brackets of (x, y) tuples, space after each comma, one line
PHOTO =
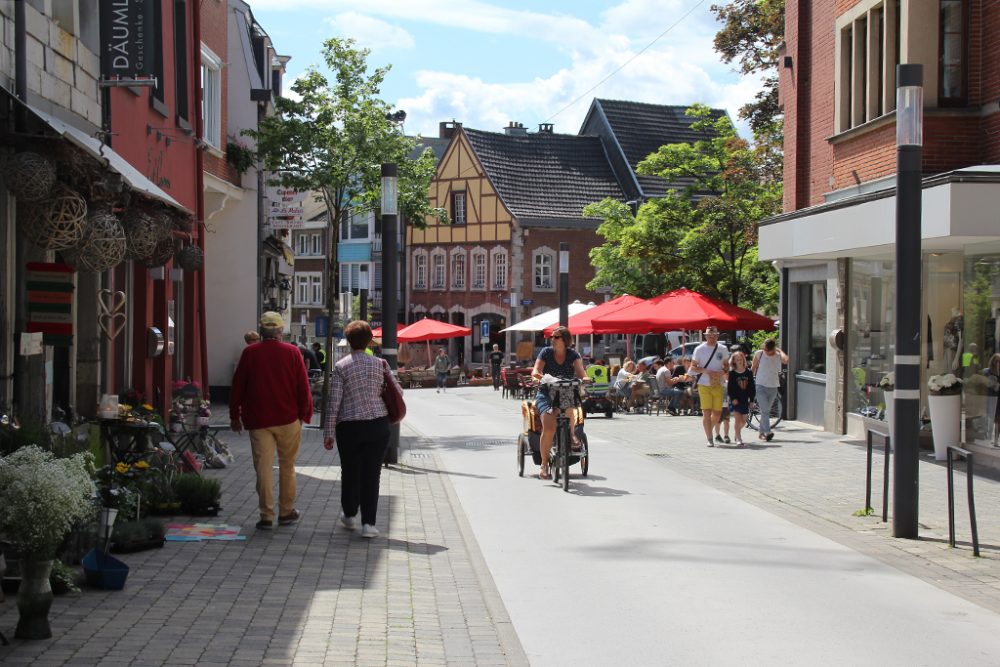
[(200, 166)]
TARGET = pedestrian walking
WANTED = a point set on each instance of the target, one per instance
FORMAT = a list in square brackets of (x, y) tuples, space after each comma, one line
[(711, 362), (442, 364), (357, 423), (496, 360), (766, 368), (742, 392), (320, 355), (270, 397)]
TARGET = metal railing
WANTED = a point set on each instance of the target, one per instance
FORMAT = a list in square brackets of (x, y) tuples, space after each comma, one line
[(885, 474), (967, 455)]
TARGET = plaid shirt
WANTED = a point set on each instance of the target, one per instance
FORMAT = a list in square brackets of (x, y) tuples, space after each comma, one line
[(356, 384)]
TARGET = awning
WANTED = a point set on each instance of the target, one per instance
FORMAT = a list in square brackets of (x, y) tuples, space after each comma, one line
[(111, 159)]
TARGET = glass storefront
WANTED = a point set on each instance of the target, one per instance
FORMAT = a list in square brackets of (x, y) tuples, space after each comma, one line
[(812, 327), (961, 312)]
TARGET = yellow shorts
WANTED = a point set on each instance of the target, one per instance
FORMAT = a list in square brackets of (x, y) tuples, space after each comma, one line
[(711, 397)]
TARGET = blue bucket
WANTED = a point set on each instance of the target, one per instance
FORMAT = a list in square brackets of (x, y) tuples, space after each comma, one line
[(104, 571)]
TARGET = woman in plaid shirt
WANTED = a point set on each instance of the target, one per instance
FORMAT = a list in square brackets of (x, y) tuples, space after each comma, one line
[(357, 422)]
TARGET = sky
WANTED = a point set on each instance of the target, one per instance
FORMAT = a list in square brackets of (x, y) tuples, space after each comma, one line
[(485, 64)]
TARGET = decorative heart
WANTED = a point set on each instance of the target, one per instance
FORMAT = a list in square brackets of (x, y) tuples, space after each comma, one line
[(112, 324), (110, 302)]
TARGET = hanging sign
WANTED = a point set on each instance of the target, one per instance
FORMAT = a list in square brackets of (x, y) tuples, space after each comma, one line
[(128, 39), (50, 302)]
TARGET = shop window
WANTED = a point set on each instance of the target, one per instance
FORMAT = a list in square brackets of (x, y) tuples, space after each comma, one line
[(812, 327), (870, 339), (978, 355), (952, 55)]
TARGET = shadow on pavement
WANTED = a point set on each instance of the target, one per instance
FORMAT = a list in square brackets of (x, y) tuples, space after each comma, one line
[(407, 469)]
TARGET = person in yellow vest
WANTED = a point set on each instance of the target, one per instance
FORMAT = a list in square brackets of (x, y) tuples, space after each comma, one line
[(970, 361)]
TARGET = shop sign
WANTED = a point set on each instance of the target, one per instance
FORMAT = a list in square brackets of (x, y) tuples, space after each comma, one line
[(128, 39), (50, 302)]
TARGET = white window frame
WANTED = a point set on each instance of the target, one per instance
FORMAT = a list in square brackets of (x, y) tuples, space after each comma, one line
[(420, 269), (316, 288), (459, 214), (480, 270), (211, 97), (300, 245), (354, 219), (316, 247), (459, 265), (538, 258), (498, 269), (439, 269), (301, 289)]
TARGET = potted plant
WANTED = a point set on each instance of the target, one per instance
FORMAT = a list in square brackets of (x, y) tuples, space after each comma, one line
[(945, 403), (41, 498), (130, 536), (204, 413), (198, 496)]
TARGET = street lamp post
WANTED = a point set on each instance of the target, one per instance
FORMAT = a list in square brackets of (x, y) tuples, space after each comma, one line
[(390, 270), (563, 284), (906, 418)]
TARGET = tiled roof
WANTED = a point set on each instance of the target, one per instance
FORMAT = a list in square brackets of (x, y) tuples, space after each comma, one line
[(642, 128), (545, 176)]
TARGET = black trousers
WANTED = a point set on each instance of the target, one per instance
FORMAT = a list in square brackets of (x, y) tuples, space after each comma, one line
[(496, 377), (362, 446)]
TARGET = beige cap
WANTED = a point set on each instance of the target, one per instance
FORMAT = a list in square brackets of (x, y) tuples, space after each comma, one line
[(711, 330), (272, 320)]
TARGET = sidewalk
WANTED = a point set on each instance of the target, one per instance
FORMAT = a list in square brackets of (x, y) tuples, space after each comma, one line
[(308, 594)]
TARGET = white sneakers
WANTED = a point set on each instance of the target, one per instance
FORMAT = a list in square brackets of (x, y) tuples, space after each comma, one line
[(348, 522), (368, 530)]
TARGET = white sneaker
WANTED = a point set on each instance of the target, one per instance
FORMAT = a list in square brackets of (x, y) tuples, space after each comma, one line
[(368, 530), (348, 522), (710, 443)]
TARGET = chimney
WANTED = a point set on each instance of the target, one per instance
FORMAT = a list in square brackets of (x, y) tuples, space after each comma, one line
[(446, 129), (545, 128), (515, 129)]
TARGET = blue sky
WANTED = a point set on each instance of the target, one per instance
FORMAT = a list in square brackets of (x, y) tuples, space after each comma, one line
[(485, 64)]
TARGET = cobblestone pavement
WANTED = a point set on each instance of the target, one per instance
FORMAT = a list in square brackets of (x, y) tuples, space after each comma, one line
[(309, 594)]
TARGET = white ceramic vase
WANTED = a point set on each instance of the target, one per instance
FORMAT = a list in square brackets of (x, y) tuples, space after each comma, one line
[(946, 422)]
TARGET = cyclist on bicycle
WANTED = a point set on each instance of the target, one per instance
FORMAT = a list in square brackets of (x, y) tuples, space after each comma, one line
[(560, 361)]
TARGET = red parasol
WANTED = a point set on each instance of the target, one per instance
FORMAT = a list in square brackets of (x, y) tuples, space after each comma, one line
[(681, 309), (581, 323)]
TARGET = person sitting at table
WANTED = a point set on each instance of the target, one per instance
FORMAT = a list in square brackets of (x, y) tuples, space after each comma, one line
[(623, 383), (640, 386)]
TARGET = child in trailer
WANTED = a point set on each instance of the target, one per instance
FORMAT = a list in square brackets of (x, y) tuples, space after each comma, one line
[(742, 392)]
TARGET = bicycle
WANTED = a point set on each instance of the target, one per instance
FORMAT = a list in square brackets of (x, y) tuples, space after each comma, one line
[(566, 394)]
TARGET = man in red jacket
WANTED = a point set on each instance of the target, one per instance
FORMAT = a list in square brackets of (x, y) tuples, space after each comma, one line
[(270, 397)]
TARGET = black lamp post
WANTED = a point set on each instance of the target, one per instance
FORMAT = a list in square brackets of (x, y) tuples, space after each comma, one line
[(906, 418), (563, 284), (390, 270)]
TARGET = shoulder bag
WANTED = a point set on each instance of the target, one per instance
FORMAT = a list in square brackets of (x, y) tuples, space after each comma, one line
[(392, 396)]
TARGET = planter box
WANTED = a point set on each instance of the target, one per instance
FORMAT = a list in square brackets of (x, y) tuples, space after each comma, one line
[(104, 571), (138, 545)]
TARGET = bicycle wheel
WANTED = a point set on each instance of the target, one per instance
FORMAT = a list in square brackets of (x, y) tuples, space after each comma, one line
[(564, 454), (753, 418), (777, 412), (555, 465), (521, 443)]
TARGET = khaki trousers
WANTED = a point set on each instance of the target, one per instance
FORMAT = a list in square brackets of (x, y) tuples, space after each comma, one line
[(265, 442)]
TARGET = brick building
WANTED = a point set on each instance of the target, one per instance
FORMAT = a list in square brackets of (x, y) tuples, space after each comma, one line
[(835, 242), (512, 198)]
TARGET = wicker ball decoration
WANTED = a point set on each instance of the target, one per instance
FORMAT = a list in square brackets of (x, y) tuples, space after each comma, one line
[(143, 232), (56, 224), (163, 253), (103, 243), (29, 176), (191, 258)]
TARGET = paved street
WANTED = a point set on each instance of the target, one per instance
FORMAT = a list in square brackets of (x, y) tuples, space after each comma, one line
[(669, 552)]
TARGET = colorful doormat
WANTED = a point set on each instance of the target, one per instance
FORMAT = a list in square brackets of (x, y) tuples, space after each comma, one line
[(196, 532)]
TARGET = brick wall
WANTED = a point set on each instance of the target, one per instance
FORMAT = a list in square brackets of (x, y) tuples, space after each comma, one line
[(814, 166), (581, 271)]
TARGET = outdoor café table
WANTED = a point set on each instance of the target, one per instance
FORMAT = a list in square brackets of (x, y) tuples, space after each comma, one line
[(126, 441)]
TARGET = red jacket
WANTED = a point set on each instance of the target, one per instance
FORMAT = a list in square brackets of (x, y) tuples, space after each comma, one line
[(270, 386)]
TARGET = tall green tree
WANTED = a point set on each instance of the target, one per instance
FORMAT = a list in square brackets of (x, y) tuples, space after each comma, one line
[(751, 35), (702, 236), (333, 139)]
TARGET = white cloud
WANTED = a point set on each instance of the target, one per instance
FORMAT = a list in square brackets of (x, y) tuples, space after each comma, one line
[(371, 32)]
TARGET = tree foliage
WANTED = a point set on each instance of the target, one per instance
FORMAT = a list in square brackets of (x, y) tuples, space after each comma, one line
[(702, 236), (333, 140), (751, 35)]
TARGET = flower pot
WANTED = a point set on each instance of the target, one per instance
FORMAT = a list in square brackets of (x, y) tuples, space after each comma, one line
[(946, 422), (34, 598), (204, 421), (104, 571)]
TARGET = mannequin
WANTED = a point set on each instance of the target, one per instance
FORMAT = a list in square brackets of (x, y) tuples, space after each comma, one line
[(953, 340)]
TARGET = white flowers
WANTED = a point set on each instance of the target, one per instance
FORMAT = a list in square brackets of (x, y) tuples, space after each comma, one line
[(42, 497), (888, 382), (944, 384)]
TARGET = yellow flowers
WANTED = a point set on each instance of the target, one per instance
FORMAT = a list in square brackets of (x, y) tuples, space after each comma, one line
[(141, 465), (122, 468), (147, 407)]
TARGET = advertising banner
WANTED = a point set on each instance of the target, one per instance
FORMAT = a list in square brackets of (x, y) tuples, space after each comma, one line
[(129, 39)]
